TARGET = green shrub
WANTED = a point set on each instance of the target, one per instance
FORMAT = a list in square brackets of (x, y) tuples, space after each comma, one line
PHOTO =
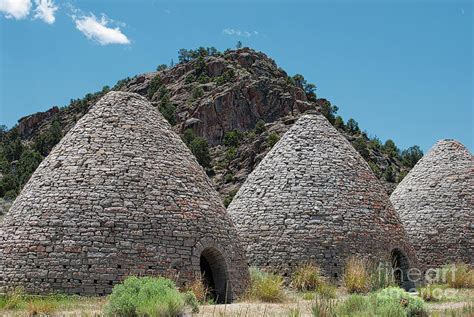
[(9, 186), (352, 126), (389, 302), (401, 176), (230, 154), (389, 174), (354, 305), (356, 276), (27, 164), (189, 79), (13, 299), (411, 304), (191, 301), (45, 142), (203, 79), (229, 197), (229, 177), (260, 126), (326, 290), (188, 136), (265, 287), (374, 167), (227, 76), (198, 146), (147, 296), (430, 293), (168, 111), (339, 123), (360, 144), (232, 138), (411, 156), (161, 67), (200, 149), (381, 276), (197, 92), (307, 277), (390, 309), (391, 149), (154, 85), (272, 139)]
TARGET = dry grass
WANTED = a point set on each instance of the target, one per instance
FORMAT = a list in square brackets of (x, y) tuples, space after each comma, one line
[(199, 289), (307, 277), (460, 275), (13, 299), (356, 277), (265, 287), (323, 307), (41, 307), (432, 292), (460, 310)]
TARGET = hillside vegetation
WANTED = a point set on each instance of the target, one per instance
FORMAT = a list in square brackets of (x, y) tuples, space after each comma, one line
[(229, 107)]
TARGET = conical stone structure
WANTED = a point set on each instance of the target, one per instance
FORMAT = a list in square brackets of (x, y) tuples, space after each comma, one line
[(435, 202), (313, 198), (119, 195)]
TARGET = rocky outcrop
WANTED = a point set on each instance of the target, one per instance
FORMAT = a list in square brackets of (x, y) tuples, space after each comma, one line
[(120, 195), (215, 95), (29, 125), (257, 90)]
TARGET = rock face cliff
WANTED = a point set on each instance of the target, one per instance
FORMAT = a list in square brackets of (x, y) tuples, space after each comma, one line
[(239, 102)]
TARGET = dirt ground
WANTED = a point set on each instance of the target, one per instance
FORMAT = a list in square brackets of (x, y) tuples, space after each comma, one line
[(296, 306)]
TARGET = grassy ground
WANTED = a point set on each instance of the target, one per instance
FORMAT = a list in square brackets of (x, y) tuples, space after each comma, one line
[(460, 304)]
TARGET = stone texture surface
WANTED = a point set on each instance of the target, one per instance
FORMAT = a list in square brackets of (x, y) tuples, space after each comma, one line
[(313, 198), (436, 205), (119, 195)]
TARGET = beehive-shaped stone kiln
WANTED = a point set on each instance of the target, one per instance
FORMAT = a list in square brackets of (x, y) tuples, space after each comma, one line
[(436, 205), (120, 195), (313, 198)]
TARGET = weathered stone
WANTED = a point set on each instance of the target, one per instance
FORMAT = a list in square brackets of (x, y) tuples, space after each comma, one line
[(435, 202), (313, 198), (101, 218)]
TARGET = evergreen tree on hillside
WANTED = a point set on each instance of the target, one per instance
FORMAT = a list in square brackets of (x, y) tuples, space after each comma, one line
[(411, 155)]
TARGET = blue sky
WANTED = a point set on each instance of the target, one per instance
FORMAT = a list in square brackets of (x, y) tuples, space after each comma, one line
[(402, 69)]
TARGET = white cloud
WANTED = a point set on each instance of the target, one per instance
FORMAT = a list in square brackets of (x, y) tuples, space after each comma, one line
[(237, 32), (45, 10), (97, 30), (18, 9)]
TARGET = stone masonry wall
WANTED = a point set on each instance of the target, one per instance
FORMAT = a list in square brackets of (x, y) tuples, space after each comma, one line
[(313, 198), (436, 205), (119, 195)]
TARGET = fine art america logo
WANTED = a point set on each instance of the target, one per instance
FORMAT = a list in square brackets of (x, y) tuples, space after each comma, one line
[(435, 279)]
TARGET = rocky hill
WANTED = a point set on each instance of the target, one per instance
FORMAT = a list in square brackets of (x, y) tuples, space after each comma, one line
[(230, 108)]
